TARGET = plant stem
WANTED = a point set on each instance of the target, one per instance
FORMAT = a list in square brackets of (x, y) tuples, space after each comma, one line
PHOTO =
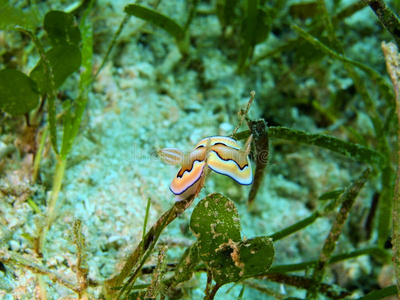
[(146, 217), (38, 156), (388, 19), (51, 213), (393, 64), (42, 287), (207, 291), (111, 46), (214, 291)]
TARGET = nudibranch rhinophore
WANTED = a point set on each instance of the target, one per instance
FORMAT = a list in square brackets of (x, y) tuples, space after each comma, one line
[(220, 153)]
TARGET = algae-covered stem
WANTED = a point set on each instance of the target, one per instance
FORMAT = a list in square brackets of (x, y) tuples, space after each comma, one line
[(213, 292), (260, 135), (347, 198), (16, 259), (388, 18), (393, 64), (82, 269), (149, 241)]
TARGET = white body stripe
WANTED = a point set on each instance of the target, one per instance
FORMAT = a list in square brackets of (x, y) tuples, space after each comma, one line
[(171, 156), (230, 142)]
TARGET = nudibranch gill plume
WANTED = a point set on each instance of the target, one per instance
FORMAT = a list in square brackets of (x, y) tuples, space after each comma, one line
[(220, 153)]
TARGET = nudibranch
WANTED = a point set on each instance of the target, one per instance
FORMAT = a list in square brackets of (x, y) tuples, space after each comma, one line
[(219, 153)]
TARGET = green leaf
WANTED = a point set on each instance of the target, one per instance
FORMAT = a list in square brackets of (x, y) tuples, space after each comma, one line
[(185, 268), (215, 223), (17, 92), (263, 25), (331, 194), (61, 28), (64, 60), (255, 29), (257, 255), (11, 16), (256, 25), (227, 11), (157, 19)]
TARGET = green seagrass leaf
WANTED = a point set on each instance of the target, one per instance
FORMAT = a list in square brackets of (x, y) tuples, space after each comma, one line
[(157, 19), (11, 16), (216, 225), (185, 268), (17, 92), (61, 28), (64, 60), (256, 255)]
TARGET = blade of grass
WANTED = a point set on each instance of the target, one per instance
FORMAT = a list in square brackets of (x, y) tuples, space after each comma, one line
[(156, 18), (192, 13), (351, 150), (72, 126), (38, 156), (354, 151), (324, 15), (380, 294), (385, 199), (111, 46), (146, 217), (295, 227), (51, 212), (349, 197), (384, 87)]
